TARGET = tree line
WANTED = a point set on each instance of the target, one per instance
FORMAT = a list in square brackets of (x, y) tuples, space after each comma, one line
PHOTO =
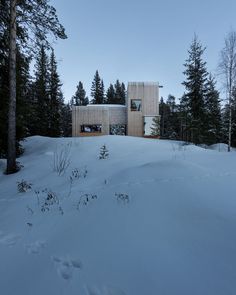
[(33, 104), (201, 116), (115, 94), (28, 105)]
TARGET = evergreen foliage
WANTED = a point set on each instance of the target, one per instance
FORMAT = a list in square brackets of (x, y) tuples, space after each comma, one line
[(55, 99), (195, 85), (80, 98), (97, 90), (213, 123), (155, 128), (111, 95), (27, 24), (120, 93), (104, 154)]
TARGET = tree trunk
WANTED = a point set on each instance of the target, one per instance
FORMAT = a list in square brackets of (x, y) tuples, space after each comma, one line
[(11, 155)]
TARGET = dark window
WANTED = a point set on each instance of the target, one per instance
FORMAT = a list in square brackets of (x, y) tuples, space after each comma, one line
[(117, 129), (152, 126), (91, 128), (135, 105)]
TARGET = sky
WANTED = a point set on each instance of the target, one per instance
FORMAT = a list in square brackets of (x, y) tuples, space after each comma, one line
[(134, 40)]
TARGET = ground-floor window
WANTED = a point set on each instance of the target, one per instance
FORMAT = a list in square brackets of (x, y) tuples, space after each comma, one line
[(91, 128), (117, 129), (152, 126)]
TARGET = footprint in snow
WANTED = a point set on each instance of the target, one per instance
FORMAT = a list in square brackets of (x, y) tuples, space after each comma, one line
[(36, 247), (9, 239), (106, 290), (66, 266)]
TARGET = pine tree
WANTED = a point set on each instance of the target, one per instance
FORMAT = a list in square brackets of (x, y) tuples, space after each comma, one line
[(41, 93), (155, 128), (104, 153), (193, 99), (80, 98), (66, 123), (55, 99), (172, 118), (213, 112), (120, 93), (97, 90), (35, 18), (111, 95)]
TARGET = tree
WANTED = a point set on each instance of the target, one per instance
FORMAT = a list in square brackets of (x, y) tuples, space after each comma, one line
[(66, 118), (56, 99), (34, 19), (97, 90), (80, 98), (193, 99), (213, 112), (41, 94), (11, 151), (111, 95), (227, 68), (155, 128), (120, 92)]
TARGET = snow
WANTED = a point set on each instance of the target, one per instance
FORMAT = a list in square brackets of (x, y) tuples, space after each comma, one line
[(155, 217), (107, 105)]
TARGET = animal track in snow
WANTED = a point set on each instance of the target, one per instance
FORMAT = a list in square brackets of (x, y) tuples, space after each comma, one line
[(66, 266), (9, 239), (36, 247)]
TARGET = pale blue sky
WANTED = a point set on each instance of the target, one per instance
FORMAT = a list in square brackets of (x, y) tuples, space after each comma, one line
[(138, 40)]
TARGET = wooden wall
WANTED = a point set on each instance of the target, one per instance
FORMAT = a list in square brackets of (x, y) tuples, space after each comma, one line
[(148, 92), (97, 115)]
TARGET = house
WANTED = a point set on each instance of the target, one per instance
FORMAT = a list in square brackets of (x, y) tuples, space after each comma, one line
[(139, 117)]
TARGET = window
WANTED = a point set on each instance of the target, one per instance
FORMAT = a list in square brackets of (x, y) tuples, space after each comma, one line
[(135, 105), (152, 126), (117, 129), (91, 128)]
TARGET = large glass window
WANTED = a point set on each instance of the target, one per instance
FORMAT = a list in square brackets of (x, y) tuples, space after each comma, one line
[(152, 126), (91, 128), (117, 129), (136, 105)]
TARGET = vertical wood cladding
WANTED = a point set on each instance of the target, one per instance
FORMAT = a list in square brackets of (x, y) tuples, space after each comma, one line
[(149, 95), (97, 115)]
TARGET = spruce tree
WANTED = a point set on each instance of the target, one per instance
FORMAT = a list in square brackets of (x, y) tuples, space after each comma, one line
[(97, 90), (193, 99), (111, 95), (41, 93), (120, 92), (55, 99), (80, 98), (32, 20), (66, 123), (213, 112)]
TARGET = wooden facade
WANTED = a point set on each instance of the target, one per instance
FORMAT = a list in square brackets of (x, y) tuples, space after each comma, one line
[(148, 93), (104, 115), (145, 94)]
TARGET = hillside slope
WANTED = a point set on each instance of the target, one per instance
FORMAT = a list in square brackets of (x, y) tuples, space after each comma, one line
[(155, 217)]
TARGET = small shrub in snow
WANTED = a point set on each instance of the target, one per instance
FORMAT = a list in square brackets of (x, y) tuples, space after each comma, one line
[(23, 186), (122, 198), (85, 200), (104, 154), (61, 159), (76, 174), (46, 199), (51, 199)]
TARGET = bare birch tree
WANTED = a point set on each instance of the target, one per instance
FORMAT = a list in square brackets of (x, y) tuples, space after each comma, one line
[(227, 68)]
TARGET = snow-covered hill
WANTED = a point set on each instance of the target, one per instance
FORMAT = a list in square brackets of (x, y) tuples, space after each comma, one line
[(155, 217)]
